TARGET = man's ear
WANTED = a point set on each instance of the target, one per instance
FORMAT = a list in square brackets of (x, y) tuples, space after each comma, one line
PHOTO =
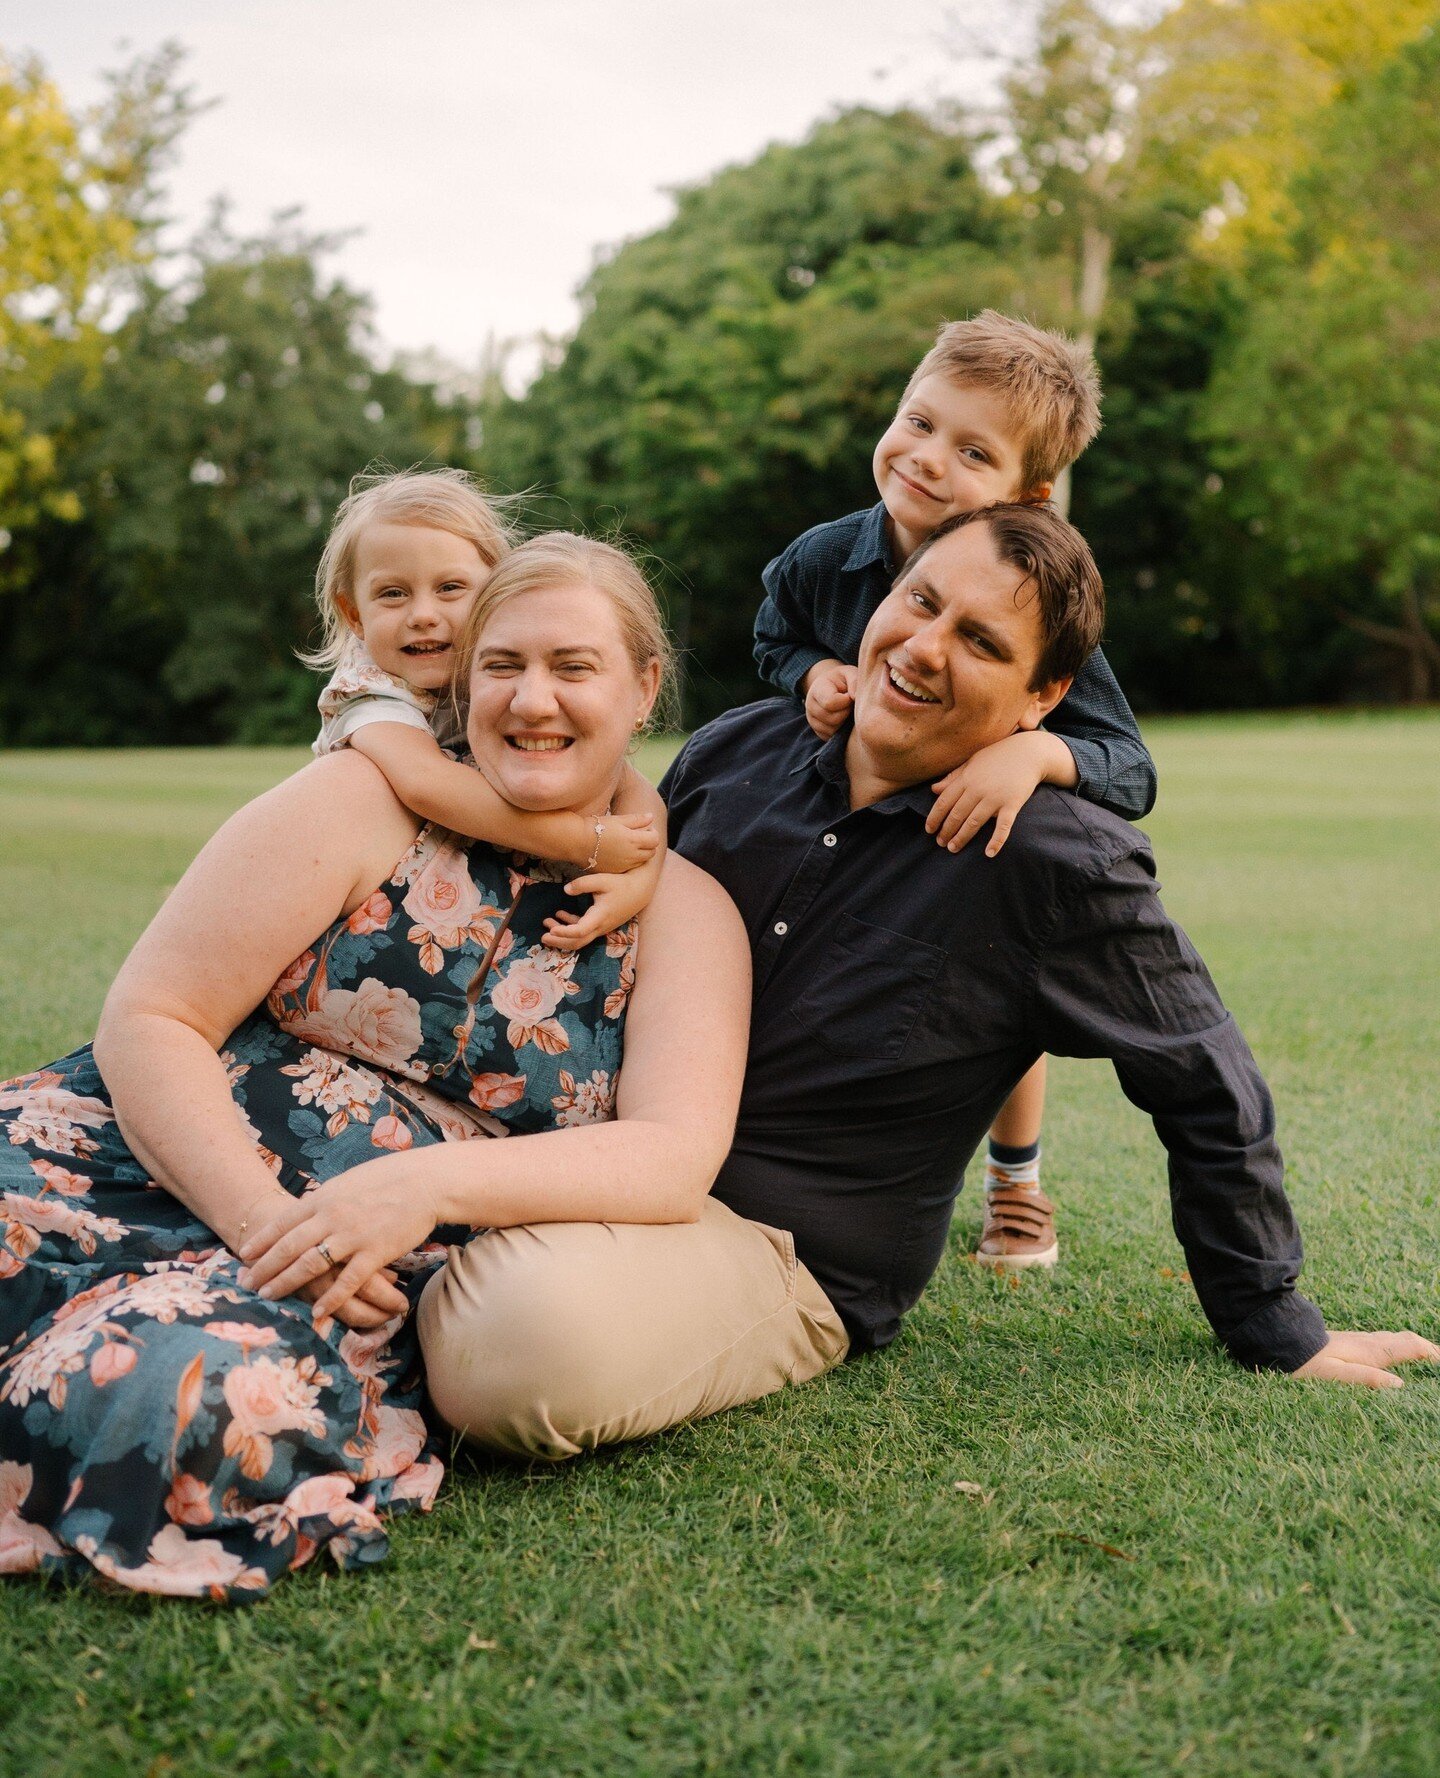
[(346, 607), (1043, 701)]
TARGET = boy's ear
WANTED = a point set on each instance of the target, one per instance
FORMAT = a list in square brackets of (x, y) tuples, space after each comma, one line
[(1038, 495), (1042, 701)]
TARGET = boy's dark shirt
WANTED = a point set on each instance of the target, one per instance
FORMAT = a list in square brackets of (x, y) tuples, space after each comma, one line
[(823, 590), (901, 991)]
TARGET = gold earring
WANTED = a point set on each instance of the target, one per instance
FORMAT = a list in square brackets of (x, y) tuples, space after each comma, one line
[(639, 724)]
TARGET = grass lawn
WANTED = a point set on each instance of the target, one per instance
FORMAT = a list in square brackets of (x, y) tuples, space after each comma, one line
[(1051, 1531)]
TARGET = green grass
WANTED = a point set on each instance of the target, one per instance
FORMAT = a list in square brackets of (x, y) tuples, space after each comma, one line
[(1169, 1565)]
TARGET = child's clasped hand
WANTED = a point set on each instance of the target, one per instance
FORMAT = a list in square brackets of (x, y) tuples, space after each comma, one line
[(829, 696)]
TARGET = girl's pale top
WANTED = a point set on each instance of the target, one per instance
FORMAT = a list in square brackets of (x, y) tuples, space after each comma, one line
[(359, 692)]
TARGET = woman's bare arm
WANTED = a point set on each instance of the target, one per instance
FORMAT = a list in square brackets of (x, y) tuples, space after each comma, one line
[(274, 876), (685, 1043)]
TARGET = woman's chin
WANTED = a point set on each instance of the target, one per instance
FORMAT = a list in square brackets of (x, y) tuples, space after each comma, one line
[(540, 786)]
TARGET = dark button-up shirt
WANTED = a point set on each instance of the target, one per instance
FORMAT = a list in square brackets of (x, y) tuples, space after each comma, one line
[(822, 591), (901, 990)]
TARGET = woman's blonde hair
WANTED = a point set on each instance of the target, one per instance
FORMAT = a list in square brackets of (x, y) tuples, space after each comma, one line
[(442, 499), (560, 559)]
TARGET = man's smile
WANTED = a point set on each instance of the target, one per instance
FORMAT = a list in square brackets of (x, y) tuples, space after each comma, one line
[(907, 688)]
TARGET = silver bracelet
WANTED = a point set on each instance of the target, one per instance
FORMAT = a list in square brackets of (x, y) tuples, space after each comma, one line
[(591, 861)]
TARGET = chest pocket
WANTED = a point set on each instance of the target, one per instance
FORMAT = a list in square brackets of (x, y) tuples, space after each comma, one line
[(869, 989)]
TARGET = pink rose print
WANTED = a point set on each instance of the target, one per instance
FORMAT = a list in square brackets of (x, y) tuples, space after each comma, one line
[(243, 1333), (445, 905), (23, 1546), (57, 1179), (491, 1092), (380, 1024), (267, 1396), (110, 1361), (585, 1101), (293, 980), (528, 994), (187, 1566), (390, 1132), (51, 1116), (372, 915), (188, 1502)]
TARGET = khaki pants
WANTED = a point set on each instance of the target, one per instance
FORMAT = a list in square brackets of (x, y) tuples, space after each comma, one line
[(550, 1339)]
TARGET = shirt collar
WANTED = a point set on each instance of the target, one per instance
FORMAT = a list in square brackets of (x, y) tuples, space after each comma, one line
[(828, 759), (871, 546)]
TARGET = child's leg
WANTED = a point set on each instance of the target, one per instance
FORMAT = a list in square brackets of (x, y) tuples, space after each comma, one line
[(1019, 1218), (1020, 1117)]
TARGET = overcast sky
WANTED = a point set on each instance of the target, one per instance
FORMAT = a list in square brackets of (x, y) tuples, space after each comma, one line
[(486, 148)]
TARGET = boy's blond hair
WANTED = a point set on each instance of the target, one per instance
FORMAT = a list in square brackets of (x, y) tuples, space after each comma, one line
[(442, 499), (1051, 384)]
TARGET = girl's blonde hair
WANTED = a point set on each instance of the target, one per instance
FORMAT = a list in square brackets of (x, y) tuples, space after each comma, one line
[(442, 499), (560, 559)]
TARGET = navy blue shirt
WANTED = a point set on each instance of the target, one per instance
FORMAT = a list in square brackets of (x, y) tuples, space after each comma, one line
[(901, 990), (822, 591)]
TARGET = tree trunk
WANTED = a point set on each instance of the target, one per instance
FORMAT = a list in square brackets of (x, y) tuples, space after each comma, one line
[(1414, 640), (1092, 286)]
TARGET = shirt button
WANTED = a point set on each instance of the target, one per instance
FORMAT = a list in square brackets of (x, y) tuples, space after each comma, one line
[(781, 929), (830, 839)]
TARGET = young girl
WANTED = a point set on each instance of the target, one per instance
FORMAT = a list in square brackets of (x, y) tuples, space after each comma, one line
[(406, 556)]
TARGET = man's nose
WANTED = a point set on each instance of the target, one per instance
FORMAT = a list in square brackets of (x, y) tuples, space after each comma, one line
[(927, 647)]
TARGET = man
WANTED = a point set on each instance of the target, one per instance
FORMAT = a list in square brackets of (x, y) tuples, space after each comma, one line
[(900, 992)]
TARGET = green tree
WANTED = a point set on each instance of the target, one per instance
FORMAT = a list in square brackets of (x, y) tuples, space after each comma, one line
[(1326, 408), (78, 215), (228, 414), (732, 371)]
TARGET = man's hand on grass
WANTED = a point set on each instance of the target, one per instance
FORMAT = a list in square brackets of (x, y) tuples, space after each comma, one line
[(1367, 1358)]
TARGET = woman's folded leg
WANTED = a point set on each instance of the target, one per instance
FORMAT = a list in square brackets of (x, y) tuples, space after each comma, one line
[(553, 1338)]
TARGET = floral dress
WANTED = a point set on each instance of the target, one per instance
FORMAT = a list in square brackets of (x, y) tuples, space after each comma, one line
[(169, 1429)]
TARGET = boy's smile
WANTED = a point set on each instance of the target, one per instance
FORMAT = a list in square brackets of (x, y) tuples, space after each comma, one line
[(949, 449)]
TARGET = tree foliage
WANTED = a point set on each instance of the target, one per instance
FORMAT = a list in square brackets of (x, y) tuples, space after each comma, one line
[(731, 371), (1326, 407), (208, 452), (1234, 200)]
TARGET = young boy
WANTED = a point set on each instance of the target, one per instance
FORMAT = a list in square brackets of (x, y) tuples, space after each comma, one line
[(995, 410)]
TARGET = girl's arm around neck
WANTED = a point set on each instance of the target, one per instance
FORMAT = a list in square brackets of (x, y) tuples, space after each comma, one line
[(461, 799)]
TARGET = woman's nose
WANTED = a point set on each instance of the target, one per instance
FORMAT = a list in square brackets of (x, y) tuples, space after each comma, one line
[(533, 697)]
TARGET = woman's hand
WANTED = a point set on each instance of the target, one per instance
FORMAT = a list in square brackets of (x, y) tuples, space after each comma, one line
[(377, 1301), (352, 1225)]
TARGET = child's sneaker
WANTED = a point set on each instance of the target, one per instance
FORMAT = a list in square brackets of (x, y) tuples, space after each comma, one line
[(1019, 1229)]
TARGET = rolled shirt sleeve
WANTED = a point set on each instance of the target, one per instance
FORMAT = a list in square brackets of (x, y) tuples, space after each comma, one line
[(1119, 978), (1098, 726), (785, 642)]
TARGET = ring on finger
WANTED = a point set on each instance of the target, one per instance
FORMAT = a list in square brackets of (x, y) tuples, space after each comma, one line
[(325, 1253)]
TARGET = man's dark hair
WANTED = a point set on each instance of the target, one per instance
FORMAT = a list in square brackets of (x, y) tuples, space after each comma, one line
[(1049, 551)]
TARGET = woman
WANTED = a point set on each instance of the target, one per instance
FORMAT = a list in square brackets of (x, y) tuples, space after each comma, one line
[(182, 1422)]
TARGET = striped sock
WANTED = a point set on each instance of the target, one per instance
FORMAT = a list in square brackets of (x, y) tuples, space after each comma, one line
[(1012, 1166)]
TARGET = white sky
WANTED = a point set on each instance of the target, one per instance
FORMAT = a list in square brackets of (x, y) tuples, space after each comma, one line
[(486, 148)]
